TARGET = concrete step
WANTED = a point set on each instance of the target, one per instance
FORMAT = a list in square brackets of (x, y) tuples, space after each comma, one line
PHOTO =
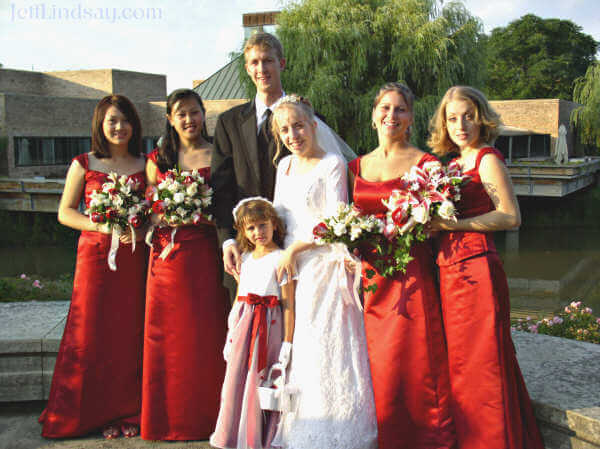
[(29, 341), (562, 376)]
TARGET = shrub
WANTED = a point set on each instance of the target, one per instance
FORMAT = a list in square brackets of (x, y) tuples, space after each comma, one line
[(576, 321)]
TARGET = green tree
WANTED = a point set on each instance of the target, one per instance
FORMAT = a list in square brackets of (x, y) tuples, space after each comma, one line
[(339, 52), (586, 118), (537, 58)]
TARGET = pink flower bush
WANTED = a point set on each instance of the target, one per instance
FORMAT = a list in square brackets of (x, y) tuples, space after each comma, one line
[(37, 284), (576, 322)]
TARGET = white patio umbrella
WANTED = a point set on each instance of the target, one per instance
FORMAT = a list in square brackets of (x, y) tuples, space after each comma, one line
[(561, 152)]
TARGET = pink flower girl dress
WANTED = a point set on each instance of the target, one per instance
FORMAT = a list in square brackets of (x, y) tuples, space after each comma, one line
[(252, 347)]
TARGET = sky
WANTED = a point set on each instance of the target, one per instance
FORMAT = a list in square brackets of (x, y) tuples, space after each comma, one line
[(184, 39)]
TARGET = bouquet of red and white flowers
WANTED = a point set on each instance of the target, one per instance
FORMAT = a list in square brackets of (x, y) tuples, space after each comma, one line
[(423, 194), (349, 227), (119, 204), (182, 198)]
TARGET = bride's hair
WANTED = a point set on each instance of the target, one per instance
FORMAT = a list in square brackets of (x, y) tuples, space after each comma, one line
[(290, 101), (252, 211)]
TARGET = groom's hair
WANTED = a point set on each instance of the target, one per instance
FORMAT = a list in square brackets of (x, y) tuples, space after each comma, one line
[(264, 41)]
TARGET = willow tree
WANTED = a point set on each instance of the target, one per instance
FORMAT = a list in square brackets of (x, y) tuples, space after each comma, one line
[(339, 52), (586, 118)]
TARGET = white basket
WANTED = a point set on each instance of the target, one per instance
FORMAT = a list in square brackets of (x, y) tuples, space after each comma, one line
[(269, 395)]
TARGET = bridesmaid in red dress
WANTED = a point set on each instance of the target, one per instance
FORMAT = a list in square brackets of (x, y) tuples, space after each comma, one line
[(186, 304), (490, 404), (97, 376), (403, 323)]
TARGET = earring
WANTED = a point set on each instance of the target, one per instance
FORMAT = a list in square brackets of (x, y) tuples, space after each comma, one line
[(373, 125)]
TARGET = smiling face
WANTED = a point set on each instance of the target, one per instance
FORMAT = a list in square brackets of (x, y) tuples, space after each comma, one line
[(392, 116), (187, 118), (116, 127), (462, 124), (264, 68), (259, 233), (295, 130)]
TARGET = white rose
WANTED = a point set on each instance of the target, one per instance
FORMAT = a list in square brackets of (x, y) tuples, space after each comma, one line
[(118, 200), (447, 210), (420, 214), (339, 229), (197, 202), (178, 197), (181, 211), (174, 187), (355, 232), (126, 189), (192, 189)]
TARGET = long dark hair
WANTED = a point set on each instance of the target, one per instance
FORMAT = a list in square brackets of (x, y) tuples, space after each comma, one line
[(100, 147), (167, 151)]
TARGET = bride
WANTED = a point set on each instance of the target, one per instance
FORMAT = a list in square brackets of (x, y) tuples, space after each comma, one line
[(330, 366)]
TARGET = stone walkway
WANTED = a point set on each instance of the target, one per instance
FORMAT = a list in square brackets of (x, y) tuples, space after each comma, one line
[(562, 376)]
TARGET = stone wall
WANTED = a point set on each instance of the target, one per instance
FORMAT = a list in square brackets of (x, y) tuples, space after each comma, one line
[(139, 86), (21, 82), (41, 116), (539, 116), (216, 107), (78, 83)]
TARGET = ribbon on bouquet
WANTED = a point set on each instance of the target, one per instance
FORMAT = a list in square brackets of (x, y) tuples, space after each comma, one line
[(167, 249), (337, 255), (116, 233)]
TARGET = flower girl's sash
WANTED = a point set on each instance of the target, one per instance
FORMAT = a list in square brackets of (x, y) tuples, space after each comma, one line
[(259, 325)]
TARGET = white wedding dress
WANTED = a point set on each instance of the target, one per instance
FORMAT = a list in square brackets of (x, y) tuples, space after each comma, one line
[(329, 367)]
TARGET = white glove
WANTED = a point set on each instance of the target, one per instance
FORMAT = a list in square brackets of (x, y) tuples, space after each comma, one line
[(285, 354), (227, 349)]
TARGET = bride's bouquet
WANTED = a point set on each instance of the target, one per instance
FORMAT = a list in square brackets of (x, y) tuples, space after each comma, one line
[(348, 226), (182, 198), (424, 193), (119, 204)]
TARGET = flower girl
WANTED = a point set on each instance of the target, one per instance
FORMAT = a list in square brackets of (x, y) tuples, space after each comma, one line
[(262, 316)]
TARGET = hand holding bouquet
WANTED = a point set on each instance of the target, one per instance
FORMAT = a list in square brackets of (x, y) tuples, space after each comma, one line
[(119, 205), (180, 199), (424, 194)]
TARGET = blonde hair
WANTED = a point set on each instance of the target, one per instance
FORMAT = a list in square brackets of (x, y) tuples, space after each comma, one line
[(289, 101), (253, 211), (485, 116), (264, 41)]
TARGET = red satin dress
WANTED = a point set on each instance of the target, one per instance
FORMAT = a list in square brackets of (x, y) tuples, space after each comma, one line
[(490, 404), (186, 325), (405, 340), (98, 372)]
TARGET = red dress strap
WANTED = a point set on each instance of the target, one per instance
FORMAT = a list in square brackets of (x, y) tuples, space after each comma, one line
[(83, 160), (427, 157), (354, 166), (487, 150), (154, 156)]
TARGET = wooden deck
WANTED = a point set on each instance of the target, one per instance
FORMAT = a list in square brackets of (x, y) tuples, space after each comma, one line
[(30, 194), (549, 179)]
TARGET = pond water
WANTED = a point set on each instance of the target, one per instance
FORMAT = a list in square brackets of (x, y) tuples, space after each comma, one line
[(550, 268)]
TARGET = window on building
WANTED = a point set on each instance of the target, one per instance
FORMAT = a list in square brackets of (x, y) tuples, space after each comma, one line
[(527, 146), (49, 150), (59, 150)]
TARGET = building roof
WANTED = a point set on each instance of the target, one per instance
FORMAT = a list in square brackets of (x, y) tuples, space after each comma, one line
[(224, 84)]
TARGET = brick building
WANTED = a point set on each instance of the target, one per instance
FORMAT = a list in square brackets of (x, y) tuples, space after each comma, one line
[(45, 118), (531, 127)]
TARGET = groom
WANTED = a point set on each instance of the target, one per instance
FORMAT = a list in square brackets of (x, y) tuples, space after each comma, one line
[(243, 151)]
